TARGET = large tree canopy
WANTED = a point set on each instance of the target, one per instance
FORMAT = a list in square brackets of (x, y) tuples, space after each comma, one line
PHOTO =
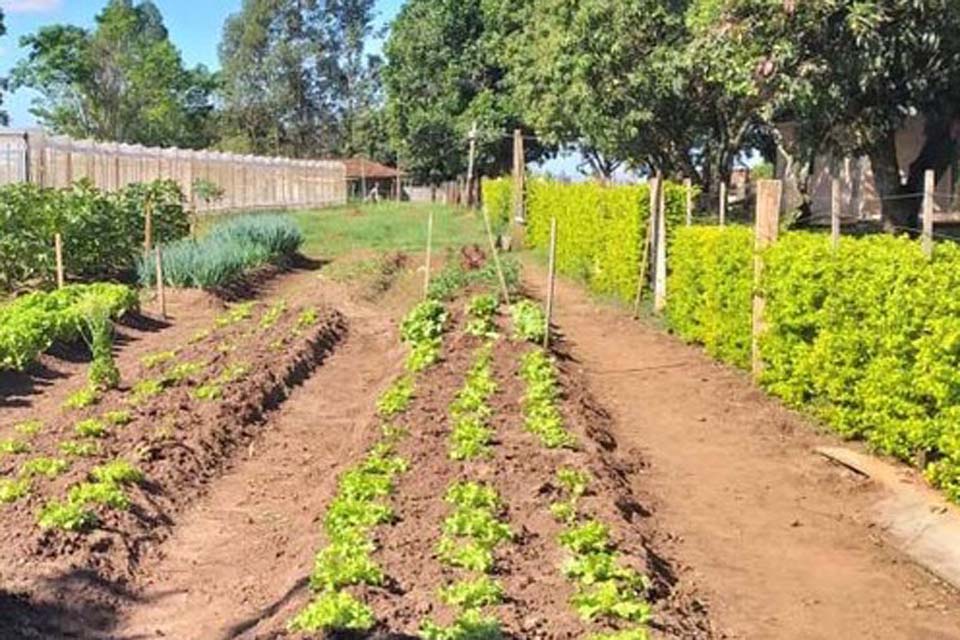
[(122, 81), (444, 73), (296, 80)]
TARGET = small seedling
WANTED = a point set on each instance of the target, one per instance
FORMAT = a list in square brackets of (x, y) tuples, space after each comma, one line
[(469, 625), (86, 397), (208, 392), (236, 314), (13, 490), (29, 427), (91, 428), (396, 398), (154, 360), (181, 373), (79, 449), (68, 516), (199, 336), (472, 594), (273, 314), (145, 389), (49, 467), (117, 418), (13, 447)]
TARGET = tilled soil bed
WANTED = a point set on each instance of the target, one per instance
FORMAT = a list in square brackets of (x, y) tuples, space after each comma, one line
[(537, 596), (208, 399)]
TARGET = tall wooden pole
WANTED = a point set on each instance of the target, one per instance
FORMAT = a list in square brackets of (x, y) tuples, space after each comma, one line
[(399, 180), (688, 191), (471, 159), (519, 177), (660, 273), (58, 253), (723, 203), (496, 256), (551, 281), (835, 213), (929, 184), (363, 180), (426, 269), (161, 291), (769, 194), (147, 223)]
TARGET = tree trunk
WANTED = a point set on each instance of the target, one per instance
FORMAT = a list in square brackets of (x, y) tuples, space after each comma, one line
[(899, 211)]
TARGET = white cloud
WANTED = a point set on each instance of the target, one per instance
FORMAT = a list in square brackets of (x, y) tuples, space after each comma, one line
[(30, 6)]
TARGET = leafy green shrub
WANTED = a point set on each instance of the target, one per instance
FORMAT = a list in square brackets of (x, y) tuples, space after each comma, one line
[(529, 321), (601, 229), (498, 200), (31, 323), (102, 233), (864, 337), (710, 289), (223, 255), (333, 610), (482, 310)]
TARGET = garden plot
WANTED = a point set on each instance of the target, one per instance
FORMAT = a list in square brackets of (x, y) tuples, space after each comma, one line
[(490, 504), (93, 486)]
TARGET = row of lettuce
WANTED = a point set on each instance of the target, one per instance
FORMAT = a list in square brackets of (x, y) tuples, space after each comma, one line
[(866, 337)]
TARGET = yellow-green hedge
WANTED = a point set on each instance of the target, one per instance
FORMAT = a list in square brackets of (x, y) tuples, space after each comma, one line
[(867, 337), (601, 229), (498, 200)]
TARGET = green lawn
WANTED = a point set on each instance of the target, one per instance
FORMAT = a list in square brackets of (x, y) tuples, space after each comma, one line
[(385, 227)]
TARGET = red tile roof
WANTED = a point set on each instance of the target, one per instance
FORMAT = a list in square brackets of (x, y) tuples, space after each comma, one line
[(360, 167)]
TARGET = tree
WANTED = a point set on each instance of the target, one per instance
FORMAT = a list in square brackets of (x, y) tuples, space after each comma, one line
[(849, 74), (124, 81), (443, 74), (296, 80)]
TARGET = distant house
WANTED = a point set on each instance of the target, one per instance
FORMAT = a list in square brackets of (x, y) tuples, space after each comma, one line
[(367, 179), (859, 199)]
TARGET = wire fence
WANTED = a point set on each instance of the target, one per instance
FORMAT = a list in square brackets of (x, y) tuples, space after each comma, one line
[(243, 182)]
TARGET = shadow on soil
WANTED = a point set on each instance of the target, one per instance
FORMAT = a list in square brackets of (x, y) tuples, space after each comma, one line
[(251, 285)]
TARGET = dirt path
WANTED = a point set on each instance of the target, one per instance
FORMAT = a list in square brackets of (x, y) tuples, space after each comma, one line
[(777, 537), (243, 551)]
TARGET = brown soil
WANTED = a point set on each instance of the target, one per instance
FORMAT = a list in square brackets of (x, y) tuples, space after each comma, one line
[(537, 595), (780, 539), (60, 584)]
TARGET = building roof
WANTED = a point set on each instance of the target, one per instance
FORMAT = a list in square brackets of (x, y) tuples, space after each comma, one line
[(358, 168)]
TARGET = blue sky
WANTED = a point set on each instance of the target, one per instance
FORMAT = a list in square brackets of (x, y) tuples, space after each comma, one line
[(195, 27)]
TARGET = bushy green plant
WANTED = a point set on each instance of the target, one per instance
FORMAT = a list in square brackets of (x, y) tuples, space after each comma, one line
[(77, 449), (529, 321), (396, 398), (13, 490), (226, 252), (31, 323), (332, 610), (119, 472), (29, 428), (49, 467), (498, 200), (602, 229), (472, 594), (482, 310), (470, 435), (469, 625), (90, 428), (541, 414), (865, 337), (117, 418), (69, 516), (82, 398)]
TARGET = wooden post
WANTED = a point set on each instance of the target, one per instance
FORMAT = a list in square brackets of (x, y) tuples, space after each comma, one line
[(688, 190), (399, 181), (426, 273), (496, 256), (929, 184), (835, 214), (551, 281), (723, 203), (58, 252), (519, 177), (649, 243), (769, 193), (470, 162), (363, 179), (660, 273), (147, 223), (161, 289)]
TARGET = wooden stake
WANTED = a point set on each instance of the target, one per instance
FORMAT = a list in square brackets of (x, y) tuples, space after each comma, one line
[(496, 257), (519, 177), (161, 290), (470, 162), (688, 190), (426, 274), (644, 261), (58, 252), (147, 224), (929, 184), (835, 214), (551, 281), (723, 204), (660, 274), (399, 181), (769, 193)]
